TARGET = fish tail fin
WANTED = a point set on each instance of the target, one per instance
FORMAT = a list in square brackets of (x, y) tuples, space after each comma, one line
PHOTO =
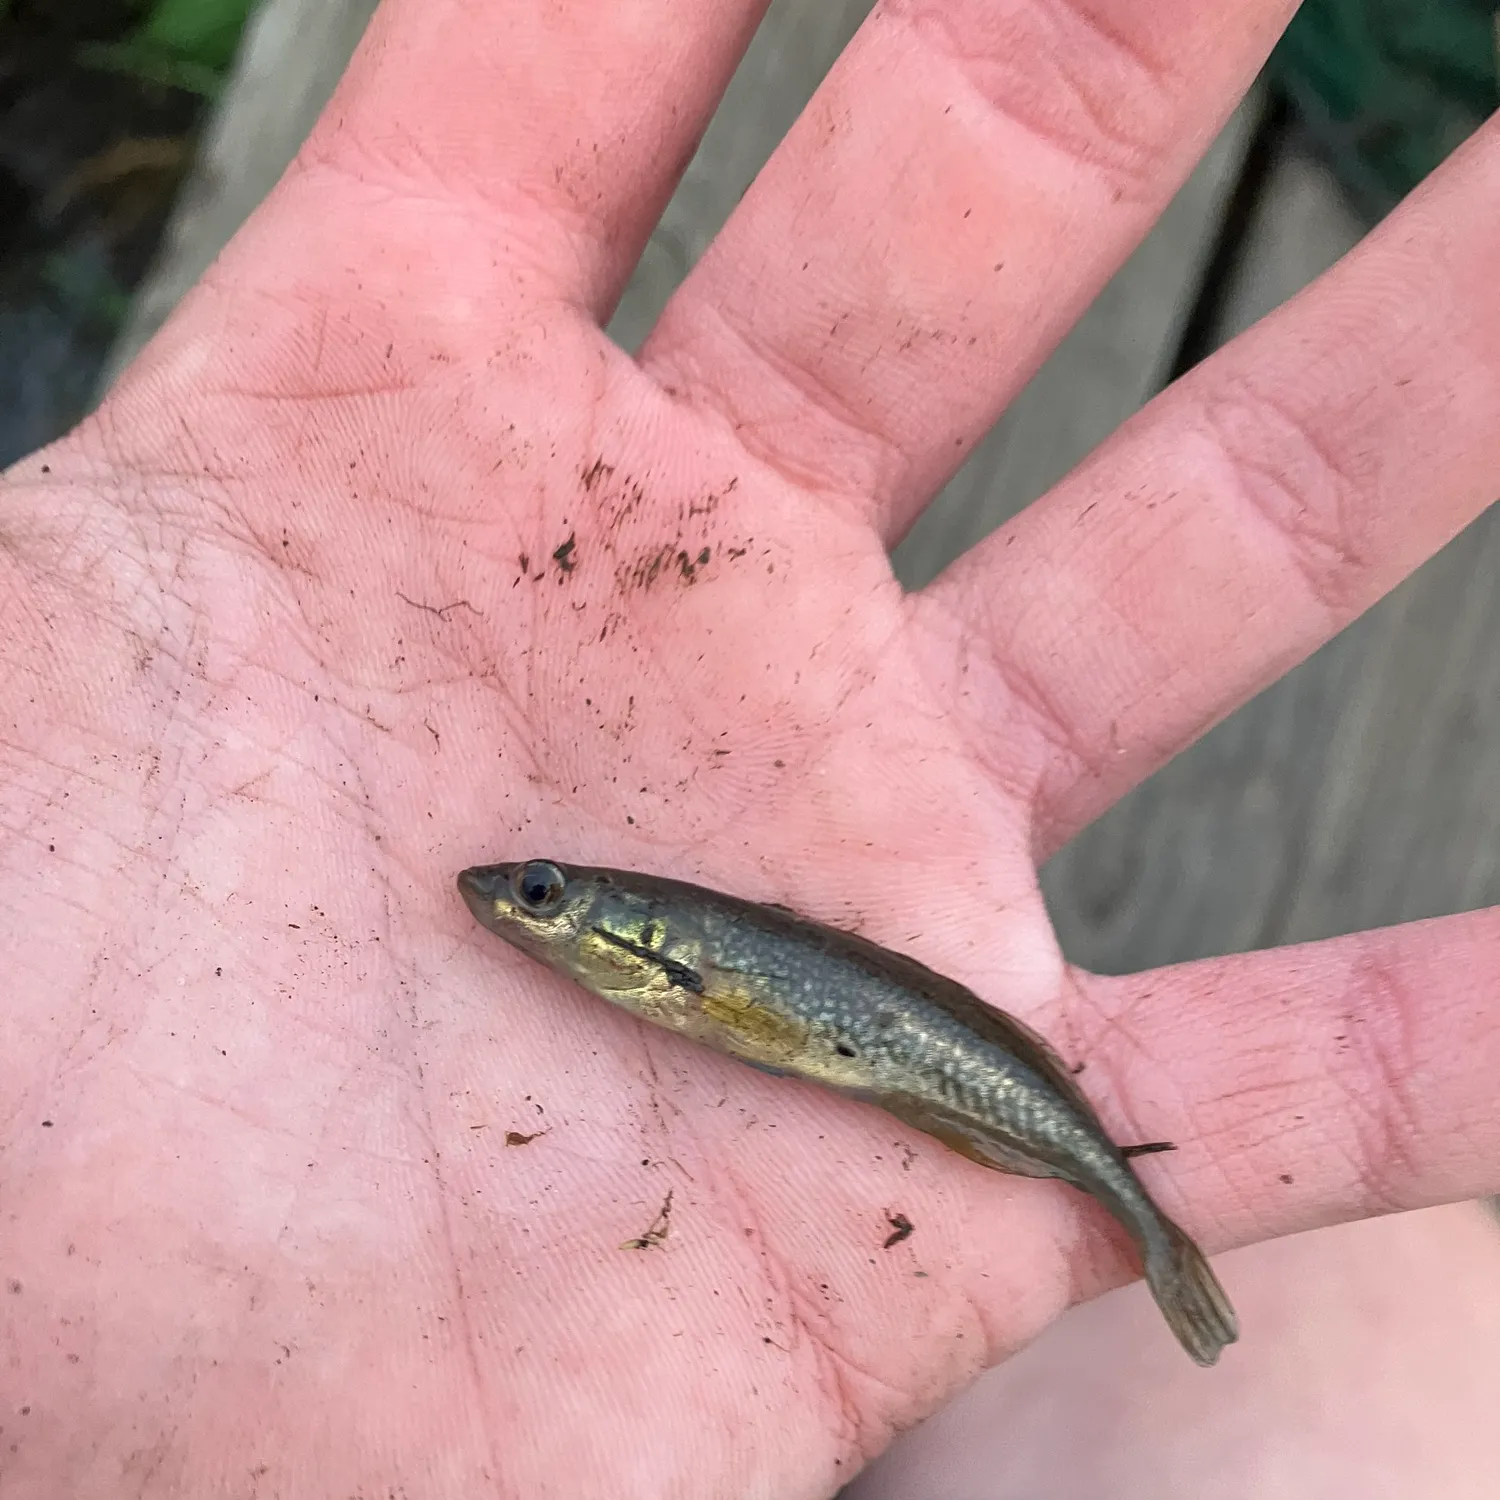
[(1190, 1297)]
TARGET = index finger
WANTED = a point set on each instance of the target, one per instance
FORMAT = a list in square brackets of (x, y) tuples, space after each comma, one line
[(571, 118)]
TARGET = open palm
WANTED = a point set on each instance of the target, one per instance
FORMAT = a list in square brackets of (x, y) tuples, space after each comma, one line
[(384, 561)]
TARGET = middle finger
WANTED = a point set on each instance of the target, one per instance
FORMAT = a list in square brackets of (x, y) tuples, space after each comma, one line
[(963, 182)]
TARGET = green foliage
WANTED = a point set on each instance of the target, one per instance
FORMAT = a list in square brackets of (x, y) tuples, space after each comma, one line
[(1390, 86), (205, 32), (183, 44), (84, 286)]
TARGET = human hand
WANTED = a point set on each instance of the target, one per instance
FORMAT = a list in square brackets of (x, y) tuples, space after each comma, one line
[(383, 561)]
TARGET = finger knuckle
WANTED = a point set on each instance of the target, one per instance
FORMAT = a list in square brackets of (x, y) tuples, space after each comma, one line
[(1303, 487), (1095, 93), (1374, 1067)]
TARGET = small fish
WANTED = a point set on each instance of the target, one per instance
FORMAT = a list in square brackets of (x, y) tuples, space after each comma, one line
[(795, 998)]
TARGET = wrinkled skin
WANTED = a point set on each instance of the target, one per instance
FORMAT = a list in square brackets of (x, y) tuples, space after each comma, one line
[(383, 561)]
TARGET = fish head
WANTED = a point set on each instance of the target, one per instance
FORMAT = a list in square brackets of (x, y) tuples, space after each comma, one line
[(583, 924), (534, 904)]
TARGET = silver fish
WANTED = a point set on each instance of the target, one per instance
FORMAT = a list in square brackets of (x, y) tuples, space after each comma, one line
[(793, 997)]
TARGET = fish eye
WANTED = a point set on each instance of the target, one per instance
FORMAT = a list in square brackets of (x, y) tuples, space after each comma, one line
[(538, 885)]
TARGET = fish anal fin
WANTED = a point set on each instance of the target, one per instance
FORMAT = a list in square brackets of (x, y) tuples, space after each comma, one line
[(991, 1153), (976, 1145)]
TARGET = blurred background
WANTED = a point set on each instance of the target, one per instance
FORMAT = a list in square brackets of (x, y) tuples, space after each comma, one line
[(1362, 789)]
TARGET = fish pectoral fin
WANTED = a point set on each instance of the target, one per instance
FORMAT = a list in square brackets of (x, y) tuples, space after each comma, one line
[(740, 971), (967, 1140)]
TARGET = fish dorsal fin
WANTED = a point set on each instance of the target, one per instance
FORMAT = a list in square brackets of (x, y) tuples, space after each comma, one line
[(986, 1147), (1060, 1072), (786, 911), (998, 1026), (1004, 1030)]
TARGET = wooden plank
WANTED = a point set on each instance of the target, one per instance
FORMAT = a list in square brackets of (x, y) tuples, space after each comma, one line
[(1362, 789), (1110, 364)]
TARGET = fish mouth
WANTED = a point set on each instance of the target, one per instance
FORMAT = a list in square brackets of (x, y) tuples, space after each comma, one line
[(480, 886)]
